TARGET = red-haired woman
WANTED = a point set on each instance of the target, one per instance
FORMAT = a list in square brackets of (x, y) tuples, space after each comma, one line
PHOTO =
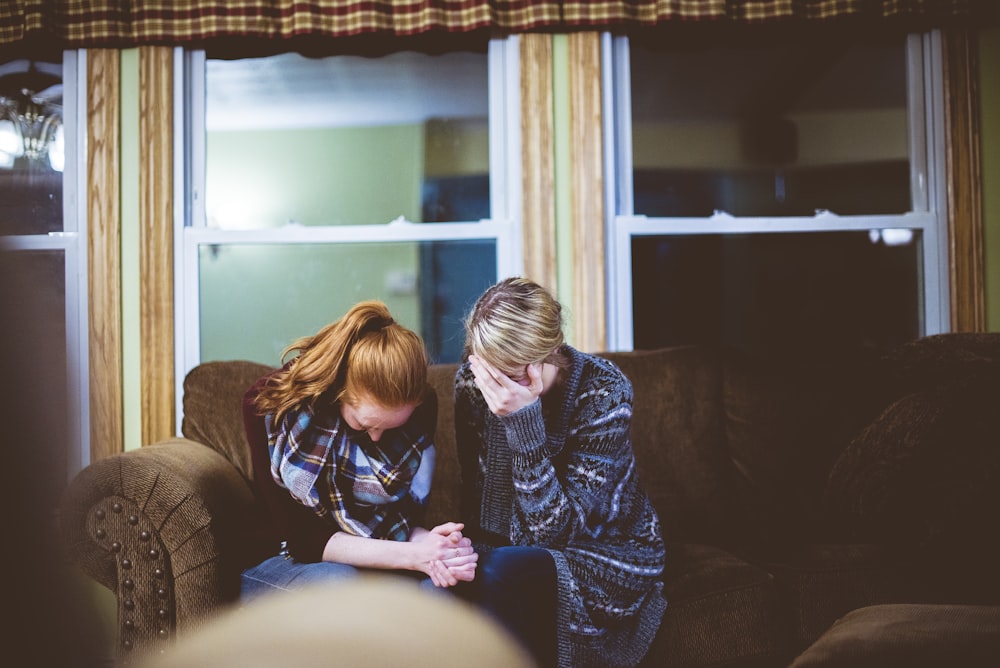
[(341, 440)]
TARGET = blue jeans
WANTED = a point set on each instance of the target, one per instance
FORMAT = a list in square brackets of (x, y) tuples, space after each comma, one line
[(517, 586), (280, 574)]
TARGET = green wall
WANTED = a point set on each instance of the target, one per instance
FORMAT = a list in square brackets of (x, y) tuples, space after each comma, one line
[(255, 300), (329, 176)]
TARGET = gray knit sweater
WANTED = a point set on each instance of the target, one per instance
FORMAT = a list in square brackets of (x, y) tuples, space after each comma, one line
[(561, 474)]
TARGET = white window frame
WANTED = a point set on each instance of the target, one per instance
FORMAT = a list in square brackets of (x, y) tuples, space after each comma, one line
[(191, 232), (927, 165), (72, 242)]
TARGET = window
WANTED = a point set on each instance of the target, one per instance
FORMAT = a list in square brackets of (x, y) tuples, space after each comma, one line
[(43, 263), (776, 195), (328, 181)]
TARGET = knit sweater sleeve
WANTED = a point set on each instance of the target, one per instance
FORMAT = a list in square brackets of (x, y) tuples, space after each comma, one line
[(570, 488)]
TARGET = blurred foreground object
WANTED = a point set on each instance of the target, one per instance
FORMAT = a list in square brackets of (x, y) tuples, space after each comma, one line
[(377, 621)]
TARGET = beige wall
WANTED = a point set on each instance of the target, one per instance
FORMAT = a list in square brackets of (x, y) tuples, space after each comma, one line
[(821, 139)]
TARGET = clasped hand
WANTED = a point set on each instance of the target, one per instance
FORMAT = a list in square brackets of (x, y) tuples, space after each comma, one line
[(451, 557), (504, 395)]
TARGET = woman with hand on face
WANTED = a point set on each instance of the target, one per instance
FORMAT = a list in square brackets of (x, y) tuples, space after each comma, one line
[(570, 551), (341, 440)]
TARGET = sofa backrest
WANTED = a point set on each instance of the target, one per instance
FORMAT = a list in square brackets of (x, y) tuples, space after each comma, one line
[(729, 448), (679, 439), (443, 504), (213, 408), (787, 418)]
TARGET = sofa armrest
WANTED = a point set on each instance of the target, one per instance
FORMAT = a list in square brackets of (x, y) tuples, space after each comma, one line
[(163, 527)]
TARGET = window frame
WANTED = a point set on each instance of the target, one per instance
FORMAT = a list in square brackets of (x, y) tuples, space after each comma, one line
[(192, 233), (928, 215)]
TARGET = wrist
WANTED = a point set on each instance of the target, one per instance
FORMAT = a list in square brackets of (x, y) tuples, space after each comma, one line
[(525, 427)]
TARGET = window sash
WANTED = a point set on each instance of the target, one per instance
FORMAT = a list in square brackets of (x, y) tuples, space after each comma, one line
[(193, 233), (71, 243), (926, 122)]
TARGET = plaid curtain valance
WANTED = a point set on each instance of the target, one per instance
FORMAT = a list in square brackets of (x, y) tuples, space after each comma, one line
[(598, 13), (77, 23), (96, 23)]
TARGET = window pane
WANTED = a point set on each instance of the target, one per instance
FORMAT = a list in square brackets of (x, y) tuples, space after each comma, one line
[(31, 147), (34, 321), (299, 288), (779, 130), (772, 292), (346, 140)]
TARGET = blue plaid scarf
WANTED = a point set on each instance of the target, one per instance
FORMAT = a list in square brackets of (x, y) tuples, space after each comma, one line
[(373, 489)]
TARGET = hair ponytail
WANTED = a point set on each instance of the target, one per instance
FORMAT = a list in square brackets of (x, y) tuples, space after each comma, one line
[(366, 353)]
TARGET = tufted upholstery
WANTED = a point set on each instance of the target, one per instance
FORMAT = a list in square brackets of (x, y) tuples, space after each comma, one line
[(765, 548)]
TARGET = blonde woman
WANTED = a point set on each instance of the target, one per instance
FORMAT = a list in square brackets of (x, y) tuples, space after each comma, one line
[(570, 552), (341, 440)]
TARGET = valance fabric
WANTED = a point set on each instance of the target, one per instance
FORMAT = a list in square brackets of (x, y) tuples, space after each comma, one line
[(122, 23), (596, 13)]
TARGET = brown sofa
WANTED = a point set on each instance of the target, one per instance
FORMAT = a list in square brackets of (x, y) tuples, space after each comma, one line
[(791, 491)]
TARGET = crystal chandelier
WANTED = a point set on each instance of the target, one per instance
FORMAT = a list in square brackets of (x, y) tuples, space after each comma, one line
[(31, 132)]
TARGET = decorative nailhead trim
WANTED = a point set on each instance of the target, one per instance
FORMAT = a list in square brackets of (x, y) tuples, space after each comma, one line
[(145, 595)]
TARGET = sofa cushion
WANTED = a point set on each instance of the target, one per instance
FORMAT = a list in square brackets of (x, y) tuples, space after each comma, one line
[(721, 610), (819, 583), (213, 408), (909, 635)]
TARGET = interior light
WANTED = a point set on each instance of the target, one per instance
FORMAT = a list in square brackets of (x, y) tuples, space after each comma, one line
[(894, 236), (57, 150), (891, 236), (10, 144), (31, 119)]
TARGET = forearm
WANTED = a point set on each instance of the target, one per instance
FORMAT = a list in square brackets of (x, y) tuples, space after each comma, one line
[(442, 553), (363, 552), (546, 512), (553, 504)]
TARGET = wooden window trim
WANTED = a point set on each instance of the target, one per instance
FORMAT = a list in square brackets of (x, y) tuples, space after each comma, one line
[(966, 261)]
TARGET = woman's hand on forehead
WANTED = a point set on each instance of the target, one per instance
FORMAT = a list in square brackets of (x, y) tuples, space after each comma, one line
[(504, 395)]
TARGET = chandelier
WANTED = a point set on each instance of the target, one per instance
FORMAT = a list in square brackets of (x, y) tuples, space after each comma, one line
[(31, 128)]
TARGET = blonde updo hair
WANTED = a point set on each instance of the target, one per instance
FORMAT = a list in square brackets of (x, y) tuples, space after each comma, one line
[(513, 324), (364, 354)]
